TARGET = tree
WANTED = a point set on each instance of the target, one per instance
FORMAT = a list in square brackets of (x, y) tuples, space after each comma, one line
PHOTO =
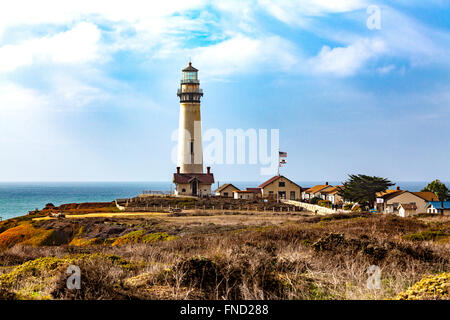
[(363, 189), (440, 190)]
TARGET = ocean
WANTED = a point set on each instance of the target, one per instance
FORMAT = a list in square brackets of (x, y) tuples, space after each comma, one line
[(17, 198)]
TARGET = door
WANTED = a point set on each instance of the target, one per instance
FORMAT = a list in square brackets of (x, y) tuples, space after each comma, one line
[(194, 188), (292, 195)]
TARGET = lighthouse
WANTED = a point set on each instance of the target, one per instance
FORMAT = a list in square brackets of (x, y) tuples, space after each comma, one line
[(190, 178)]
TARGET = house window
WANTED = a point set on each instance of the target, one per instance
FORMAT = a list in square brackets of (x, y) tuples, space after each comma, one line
[(225, 194), (281, 184), (183, 190), (192, 147), (270, 192), (292, 195)]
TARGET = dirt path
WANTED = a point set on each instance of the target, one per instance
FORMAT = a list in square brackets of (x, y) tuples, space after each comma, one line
[(108, 215), (219, 219)]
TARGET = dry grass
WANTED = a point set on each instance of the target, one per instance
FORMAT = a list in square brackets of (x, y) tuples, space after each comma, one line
[(237, 257)]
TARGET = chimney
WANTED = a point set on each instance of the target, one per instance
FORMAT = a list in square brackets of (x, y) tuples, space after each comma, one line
[(208, 170), (178, 170), (326, 183), (398, 188)]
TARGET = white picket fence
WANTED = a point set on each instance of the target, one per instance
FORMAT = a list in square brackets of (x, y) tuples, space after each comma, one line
[(314, 208)]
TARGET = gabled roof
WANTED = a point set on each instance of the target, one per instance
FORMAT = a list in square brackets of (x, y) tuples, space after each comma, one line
[(331, 190), (388, 192), (273, 179), (317, 188), (184, 178), (438, 205), (224, 186), (264, 184), (243, 191), (408, 206), (426, 195), (254, 190)]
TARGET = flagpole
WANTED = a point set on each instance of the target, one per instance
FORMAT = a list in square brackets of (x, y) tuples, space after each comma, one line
[(279, 164)]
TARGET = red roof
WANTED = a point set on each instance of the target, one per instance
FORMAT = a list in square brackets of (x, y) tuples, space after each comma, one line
[(254, 190), (185, 178), (264, 184)]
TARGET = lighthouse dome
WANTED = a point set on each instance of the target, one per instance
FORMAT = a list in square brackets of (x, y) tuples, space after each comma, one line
[(190, 68)]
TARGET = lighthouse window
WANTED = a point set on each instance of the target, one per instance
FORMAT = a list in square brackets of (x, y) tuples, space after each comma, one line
[(189, 76)]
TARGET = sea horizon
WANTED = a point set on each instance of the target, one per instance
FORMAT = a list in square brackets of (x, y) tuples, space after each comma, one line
[(17, 198)]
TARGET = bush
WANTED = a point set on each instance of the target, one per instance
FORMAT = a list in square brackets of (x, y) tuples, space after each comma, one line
[(100, 279), (432, 287), (315, 200), (347, 206), (245, 275), (426, 235), (324, 203), (24, 234)]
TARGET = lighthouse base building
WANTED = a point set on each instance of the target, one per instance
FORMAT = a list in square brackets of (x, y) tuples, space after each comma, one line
[(190, 180), (193, 184)]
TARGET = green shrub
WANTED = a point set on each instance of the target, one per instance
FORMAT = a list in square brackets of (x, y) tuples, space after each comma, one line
[(314, 200), (435, 287), (347, 206), (324, 203), (426, 235)]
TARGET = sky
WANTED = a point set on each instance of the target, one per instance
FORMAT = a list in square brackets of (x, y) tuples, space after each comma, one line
[(88, 88)]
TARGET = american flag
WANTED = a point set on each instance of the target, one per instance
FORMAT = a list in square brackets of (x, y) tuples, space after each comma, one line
[(283, 154)]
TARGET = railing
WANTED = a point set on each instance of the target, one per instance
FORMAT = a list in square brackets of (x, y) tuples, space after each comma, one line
[(315, 208), (189, 81), (156, 192), (141, 207), (179, 91)]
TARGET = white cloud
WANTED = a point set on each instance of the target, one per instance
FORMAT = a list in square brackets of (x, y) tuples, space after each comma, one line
[(386, 69), (411, 39), (346, 61), (17, 98), (243, 54), (58, 12), (294, 12), (77, 45)]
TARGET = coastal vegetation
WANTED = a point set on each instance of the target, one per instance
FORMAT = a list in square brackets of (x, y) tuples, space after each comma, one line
[(282, 255), (362, 189)]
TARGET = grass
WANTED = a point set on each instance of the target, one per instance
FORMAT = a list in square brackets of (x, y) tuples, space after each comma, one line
[(225, 257), (25, 234)]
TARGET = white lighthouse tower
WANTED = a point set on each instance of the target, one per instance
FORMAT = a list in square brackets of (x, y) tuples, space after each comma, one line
[(190, 178)]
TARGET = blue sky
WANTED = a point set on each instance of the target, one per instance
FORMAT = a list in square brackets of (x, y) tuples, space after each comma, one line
[(88, 88)]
